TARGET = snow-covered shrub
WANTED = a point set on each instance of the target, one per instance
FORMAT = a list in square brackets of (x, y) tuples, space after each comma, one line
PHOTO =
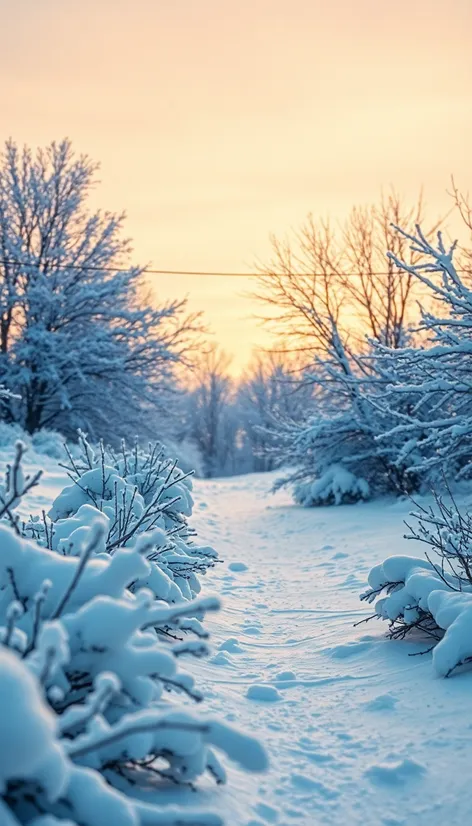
[(336, 452), (43, 442), (187, 453), (48, 443), (96, 656), (431, 596), (135, 492), (11, 433), (337, 486), (15, 485)]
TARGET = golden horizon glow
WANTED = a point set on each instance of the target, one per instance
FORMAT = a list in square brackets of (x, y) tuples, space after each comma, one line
[(217, 123)]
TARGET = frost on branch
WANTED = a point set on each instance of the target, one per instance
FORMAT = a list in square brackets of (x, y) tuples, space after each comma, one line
[(432, 596), (434, 430), (140, 497), (81, 342), (96, 657), (319, 282)]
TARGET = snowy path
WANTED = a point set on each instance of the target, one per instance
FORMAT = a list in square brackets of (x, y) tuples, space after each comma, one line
[(358, 732)]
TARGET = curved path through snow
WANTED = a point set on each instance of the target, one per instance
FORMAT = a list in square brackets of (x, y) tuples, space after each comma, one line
[(357, 731)]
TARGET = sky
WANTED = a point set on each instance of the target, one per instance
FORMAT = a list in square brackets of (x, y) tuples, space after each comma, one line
[(217, 123)]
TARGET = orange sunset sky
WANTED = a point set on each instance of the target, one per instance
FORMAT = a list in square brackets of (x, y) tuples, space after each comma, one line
[(219, 122)]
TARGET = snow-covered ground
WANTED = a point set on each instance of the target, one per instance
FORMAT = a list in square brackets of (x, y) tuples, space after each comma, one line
[(358, 732)]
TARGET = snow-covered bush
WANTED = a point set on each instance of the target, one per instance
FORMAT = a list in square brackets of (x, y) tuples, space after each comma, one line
[(43, 442), (432, 596), (11, 433), (48, 443), (335, 455), (187, 453), (92, 635), (136, 492), (337, 486)]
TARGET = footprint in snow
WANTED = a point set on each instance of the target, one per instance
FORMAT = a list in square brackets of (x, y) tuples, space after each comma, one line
[(311, 751), (252, 630), (284, 676), (395, 773), (269, 814), (237, 566), (309, 784), (220, 659), (350, 580), (349, 649), (384, 702)]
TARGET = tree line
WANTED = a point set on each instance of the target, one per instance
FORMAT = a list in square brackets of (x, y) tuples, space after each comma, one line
[(83, 345), (366, 389)]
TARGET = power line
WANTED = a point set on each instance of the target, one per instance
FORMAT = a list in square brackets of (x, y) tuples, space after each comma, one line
[(207, 273)]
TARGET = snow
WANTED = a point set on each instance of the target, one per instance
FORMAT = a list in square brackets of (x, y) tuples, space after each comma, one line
[(27, 748), (335, 485), (363, 734), (265, 693), (360, 732), (93, 648)]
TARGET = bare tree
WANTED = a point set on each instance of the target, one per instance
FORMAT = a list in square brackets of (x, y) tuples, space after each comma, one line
[(211, 424), (266, 394), (328, 279), (382, 295)]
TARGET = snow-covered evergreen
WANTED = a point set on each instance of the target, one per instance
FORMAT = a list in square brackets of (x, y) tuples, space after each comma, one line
[(97, 610)]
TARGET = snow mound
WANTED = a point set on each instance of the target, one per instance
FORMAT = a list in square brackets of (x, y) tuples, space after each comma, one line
[(336, 486), (263, 693), (432, 599), (395, 773), (422, 598)]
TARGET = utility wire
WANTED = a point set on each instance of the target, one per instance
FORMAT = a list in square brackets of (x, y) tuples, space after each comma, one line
[(216, 273)]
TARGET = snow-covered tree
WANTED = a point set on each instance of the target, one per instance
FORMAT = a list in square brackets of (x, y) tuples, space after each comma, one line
[(333, 298), (79, 339), (436, 377), (332, 451), (344, 267)]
